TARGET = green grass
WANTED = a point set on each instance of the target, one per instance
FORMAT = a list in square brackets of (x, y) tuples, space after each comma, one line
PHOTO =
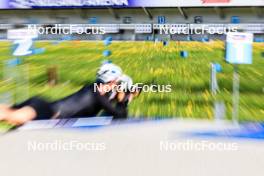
[(148, 63)]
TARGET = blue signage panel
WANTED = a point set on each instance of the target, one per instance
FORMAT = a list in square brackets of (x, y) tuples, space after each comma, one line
[(161, 19)]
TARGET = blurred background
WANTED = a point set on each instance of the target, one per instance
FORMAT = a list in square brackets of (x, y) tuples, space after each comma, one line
[(206, 90), (193, 64)]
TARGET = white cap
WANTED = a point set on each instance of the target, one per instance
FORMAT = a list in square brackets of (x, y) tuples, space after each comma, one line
[(108, 72)]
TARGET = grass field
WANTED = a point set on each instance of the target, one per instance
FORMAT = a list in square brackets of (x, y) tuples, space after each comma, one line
[(148, 63)]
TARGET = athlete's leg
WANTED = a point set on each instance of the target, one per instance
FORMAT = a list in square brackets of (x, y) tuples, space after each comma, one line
[(4, 111), (34, 108), (21, 116)]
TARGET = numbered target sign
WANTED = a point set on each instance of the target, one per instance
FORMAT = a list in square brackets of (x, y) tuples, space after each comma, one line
[(239, 48), (23, 41)]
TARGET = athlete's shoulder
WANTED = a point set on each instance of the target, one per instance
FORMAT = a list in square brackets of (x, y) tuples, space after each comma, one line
[(88, 88)]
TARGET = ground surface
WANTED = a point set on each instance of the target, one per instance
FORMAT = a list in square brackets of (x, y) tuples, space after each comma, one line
[(132, 149)]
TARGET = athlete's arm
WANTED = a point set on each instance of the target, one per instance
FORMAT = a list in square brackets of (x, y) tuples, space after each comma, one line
[(119, 111)]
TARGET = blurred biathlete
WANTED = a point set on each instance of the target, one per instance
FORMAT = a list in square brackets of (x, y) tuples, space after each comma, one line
[(87, 102)]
